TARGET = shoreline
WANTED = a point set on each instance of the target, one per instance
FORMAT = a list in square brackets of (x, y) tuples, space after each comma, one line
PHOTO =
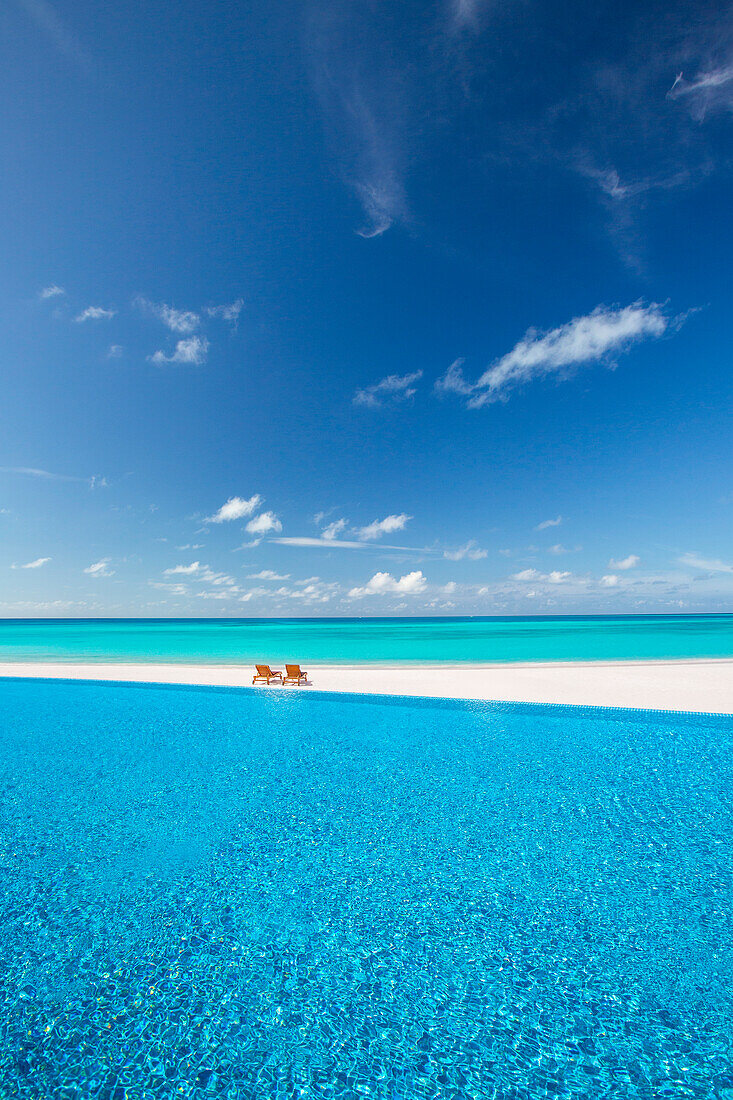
[(697, 684)]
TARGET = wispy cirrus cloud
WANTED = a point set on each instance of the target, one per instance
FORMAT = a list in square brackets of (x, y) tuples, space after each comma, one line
[(184, 322), (471, 550), (465, 14), (360, 85), (307, 541), (47, 19), (94, 482), (51, 292), (546, 523), (190, 351), (394, 388), (95, 313), (35, 564), (707, 565), (235, 508), (711, 90), (595, 337), (100, 568), (228, 312)]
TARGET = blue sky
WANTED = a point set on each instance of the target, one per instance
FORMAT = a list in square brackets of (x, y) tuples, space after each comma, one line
[(348, 308)]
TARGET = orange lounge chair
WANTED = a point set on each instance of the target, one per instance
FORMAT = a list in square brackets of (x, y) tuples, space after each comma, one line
[(265, 674), (294, 675)]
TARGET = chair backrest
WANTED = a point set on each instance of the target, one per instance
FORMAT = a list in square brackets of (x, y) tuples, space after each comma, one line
[(293, 670), (263, 670)]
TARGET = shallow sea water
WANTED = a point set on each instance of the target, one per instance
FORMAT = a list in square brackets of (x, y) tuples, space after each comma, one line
[(226, 893)]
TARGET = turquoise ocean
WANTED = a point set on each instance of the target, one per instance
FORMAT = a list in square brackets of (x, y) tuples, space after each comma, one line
[(369, 641)]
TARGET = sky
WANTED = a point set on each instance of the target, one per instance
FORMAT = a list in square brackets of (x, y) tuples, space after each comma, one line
[(354, 308)]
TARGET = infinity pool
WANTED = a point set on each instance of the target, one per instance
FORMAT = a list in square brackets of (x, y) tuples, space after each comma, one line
[(222, 893)]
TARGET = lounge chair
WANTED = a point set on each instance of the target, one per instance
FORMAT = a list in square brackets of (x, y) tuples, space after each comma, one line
[(294, 675), (265, 674)]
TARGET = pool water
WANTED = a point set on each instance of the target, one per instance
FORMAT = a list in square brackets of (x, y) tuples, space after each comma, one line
[(226, 893)]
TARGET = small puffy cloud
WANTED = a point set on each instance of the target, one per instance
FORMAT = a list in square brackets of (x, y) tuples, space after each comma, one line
[(548, 523), (194, 567), (235, 508), (229, 312), (525, 575), (625, 563), (471, 551), (557, 576), (596, 337), (182, 321), (395, 388), (114, 351), (264, 523), (708, 565), (334, 529), (192, 350), (36, 564), (51, 292), (95, 313), (610, 580), (381, 584), (100, 569), (268, 575), (384, 526)]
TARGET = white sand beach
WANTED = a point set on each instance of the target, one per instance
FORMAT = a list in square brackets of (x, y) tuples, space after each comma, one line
[(689, 685)]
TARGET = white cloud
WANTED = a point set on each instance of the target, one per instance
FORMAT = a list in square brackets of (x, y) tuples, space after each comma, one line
[(100, 569), (229, 312), (709, 565), (625, 563), (412, 584), (548, 523), (191, 546), (710, 91), (47, 20), (235, 508), (344, 544), (525, 575), (95, 313), (395, 387), (52, 292), (361, 91), (593, 338), (114, 351), (171, 589), (32, 564), (470, 550), (194, 567), (193, 350), (465, 13), (557, 576), (334, 529), (268, 575), (184, 322), (329, 544), (610, 580), (384, 526), (94, 482), (264, 523)]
